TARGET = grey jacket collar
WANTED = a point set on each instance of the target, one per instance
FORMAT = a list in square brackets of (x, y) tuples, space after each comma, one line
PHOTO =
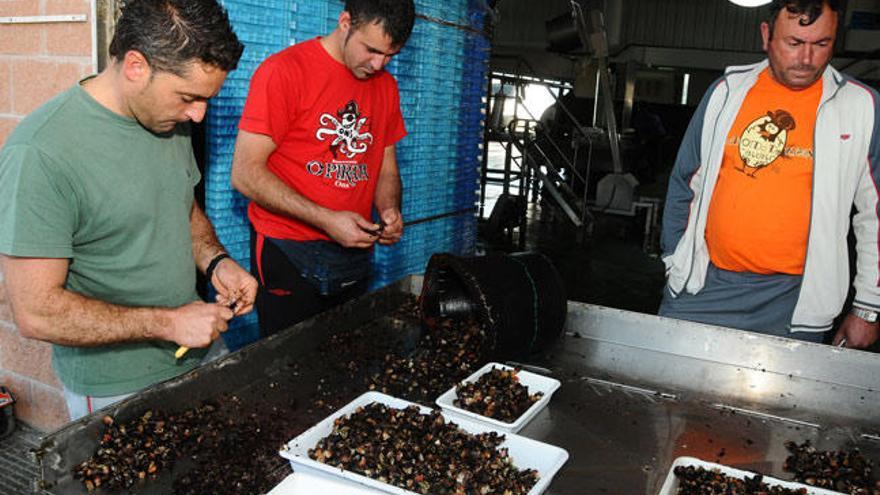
[(735, 75)]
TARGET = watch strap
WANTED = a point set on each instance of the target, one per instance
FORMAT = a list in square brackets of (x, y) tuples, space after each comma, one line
[(865, 314), (209, 272)]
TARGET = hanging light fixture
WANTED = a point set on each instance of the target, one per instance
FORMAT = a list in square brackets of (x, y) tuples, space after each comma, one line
[(750, 3)]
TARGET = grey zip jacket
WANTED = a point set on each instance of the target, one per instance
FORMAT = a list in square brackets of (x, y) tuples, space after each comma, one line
[(846, 173)]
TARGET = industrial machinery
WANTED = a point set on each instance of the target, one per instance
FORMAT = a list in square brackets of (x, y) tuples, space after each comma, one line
[(579, 167)]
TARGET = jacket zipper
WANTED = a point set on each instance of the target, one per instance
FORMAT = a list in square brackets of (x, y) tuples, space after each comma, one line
[(703, 188), (812, 206)]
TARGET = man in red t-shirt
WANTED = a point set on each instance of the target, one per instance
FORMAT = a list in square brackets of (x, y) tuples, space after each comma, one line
[(315, 153)]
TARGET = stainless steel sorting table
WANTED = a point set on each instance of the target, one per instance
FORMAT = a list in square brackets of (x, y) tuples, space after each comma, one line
[(637, 392)]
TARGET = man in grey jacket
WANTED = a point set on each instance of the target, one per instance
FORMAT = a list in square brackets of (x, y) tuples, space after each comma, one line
[(760, 198)]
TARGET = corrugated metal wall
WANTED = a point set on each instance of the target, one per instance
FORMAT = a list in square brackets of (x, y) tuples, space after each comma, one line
[(700, 24), (705, 25), (521, 22)]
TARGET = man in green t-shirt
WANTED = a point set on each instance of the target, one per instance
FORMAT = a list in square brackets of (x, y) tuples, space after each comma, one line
[(99, 232)]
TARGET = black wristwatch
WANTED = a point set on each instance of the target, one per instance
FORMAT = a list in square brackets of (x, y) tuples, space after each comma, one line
[(209, 272), (865, 314)]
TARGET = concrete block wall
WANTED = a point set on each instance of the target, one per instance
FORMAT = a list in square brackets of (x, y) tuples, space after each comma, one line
[(37, 61)]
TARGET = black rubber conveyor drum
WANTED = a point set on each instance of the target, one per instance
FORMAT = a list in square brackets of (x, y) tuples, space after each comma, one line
[(519, 297)]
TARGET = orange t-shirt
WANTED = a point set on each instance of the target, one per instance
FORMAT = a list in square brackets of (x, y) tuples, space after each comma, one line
[(759, 217)]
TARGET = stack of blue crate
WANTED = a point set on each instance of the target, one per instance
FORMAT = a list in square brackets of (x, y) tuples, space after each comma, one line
[(264, 27), (441, 73), (453, 11), (470, 144), (313, 18), (442, 76)]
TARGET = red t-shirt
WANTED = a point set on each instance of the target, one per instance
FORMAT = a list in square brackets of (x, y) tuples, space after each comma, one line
[(330, 128)]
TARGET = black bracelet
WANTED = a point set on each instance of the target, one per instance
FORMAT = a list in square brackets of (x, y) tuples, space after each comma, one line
[(209, 272)]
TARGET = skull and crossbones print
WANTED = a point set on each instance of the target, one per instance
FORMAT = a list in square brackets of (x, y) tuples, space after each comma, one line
[(345, 130)]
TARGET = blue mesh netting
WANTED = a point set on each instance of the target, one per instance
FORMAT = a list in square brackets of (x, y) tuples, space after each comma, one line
[(441, 73)]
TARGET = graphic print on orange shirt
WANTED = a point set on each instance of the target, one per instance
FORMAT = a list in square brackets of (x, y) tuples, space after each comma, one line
[(759, 215), (764, 141)]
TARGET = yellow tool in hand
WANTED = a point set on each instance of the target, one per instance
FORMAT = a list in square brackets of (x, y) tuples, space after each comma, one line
[(183, 349)]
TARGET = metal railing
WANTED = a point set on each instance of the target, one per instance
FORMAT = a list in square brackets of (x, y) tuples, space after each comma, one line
[(538, 166), (535, 160)]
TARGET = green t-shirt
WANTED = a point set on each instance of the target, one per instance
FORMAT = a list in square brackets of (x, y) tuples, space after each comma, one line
[(78, 181)]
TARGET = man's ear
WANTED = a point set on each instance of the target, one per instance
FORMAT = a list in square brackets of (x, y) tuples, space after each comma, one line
[(765, 35), (345, 22), (135, 67)]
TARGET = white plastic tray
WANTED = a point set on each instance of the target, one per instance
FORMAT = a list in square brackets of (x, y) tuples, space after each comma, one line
[(535, 383), (670, 486), (526, 453), (305, 484)]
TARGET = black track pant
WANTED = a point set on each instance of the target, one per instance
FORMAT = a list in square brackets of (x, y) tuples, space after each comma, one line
[(285, 297)]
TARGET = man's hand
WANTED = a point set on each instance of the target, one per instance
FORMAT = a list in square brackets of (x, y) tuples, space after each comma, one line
[(858, 333), (197, 324), (393, 227), (349, 229), (234, 285)]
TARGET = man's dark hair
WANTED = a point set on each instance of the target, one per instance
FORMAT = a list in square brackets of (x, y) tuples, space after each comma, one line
[(396, 16), (172, 33), (809, 9)]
